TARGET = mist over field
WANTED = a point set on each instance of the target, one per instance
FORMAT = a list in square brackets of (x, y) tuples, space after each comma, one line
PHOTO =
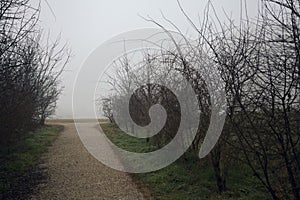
[(98, 21), (144, 99)]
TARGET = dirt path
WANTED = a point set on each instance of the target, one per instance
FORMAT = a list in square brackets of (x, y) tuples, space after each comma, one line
[(74, 174)]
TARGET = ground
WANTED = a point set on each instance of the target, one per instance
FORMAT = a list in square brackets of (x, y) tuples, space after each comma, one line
[(73, 173)]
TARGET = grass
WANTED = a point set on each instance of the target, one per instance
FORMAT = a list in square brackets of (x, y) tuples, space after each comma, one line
[(188, 177), (19, 160)]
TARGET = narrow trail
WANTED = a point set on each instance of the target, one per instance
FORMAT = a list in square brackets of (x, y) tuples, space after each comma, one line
[(74, 174)]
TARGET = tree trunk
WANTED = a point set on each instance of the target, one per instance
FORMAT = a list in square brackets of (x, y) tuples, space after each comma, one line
[(220, 176), (42, 120)]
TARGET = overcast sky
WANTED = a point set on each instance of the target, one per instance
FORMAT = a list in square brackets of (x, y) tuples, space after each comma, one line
[(85, 24)]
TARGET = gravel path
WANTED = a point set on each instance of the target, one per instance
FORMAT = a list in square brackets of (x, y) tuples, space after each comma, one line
[(74, 174)]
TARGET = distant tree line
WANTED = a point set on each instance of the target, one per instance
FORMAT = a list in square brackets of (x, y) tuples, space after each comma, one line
[(29, 70), (259, 62)]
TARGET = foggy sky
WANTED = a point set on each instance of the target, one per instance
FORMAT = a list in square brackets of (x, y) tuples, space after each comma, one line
[(85, 24)]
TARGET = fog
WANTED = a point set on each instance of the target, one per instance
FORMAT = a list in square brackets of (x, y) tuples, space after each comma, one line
[(84, 25)]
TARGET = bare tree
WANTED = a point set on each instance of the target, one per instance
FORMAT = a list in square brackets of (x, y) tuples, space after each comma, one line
[(107, 108), (260, 65), (29, 71)]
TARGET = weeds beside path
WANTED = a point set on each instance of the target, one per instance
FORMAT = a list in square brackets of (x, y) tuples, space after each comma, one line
[(19, 167)]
